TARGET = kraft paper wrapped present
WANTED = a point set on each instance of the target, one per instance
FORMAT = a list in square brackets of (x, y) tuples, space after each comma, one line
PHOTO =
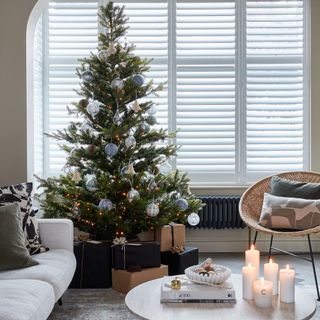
[(123, 281), (171, 235)]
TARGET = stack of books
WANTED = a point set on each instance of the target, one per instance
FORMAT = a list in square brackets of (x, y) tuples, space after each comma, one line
[(191, 292)]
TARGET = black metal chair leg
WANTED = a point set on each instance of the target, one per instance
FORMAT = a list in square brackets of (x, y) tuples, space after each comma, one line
[(270, 248), (60, 302), (255, 238), (314, 268)]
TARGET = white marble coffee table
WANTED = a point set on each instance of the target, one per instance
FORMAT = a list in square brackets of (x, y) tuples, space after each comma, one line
[(144, 301)]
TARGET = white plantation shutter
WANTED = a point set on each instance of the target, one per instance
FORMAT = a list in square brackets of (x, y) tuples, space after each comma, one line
[(205, 90), (72, 30), (276, 92), (237, 73)]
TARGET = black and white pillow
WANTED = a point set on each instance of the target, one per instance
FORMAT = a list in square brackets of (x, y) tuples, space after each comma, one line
[(21, 194)]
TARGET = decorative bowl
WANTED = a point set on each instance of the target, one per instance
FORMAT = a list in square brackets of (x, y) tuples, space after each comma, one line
[(220, 275)]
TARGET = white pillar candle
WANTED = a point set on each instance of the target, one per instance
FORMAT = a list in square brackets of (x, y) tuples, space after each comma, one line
[(271, 273), (286, 277), (248, 276), (253, 258), (262, 293)]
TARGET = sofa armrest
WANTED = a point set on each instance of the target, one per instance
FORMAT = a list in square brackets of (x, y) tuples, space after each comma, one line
[(56, 233)]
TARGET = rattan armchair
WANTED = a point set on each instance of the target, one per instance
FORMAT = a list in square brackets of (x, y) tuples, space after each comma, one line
[(250, 207)]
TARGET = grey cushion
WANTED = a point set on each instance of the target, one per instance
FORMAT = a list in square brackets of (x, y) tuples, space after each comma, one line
[(287, 188), (14, 254), (289, 213)]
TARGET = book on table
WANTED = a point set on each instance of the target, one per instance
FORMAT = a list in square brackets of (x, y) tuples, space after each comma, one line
[(195, 292)]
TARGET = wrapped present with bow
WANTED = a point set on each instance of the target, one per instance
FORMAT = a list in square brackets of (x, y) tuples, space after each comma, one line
[(135, 255), (171, 237)]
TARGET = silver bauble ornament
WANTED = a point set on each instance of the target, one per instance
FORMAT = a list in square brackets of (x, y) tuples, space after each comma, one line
[(130, 142), (87, 76), (182, 204), (111, 149), (174, 195), (117, 84), (93, 108), (152, 209), (103, 55), (165, 168), (92, 184), (193, 219), (117, 118), (138, 80), (144, 127), (133, 195), (152, 110), (105, 204), (124, 171), (152, 120), (152, 186)]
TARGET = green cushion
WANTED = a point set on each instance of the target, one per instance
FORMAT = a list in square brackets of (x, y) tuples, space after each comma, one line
[(287, 188), (13, 252)]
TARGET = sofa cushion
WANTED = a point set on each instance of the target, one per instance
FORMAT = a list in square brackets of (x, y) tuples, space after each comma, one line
[(13, 253), (25, 299), (21, 194), (55, 266)]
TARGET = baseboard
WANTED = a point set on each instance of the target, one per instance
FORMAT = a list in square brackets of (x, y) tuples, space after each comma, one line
[(230, 240)]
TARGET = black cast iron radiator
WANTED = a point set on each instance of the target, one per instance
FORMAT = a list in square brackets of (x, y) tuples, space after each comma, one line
[(220, 212)]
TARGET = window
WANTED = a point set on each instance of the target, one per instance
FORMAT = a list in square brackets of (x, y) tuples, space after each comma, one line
[(237, 72)]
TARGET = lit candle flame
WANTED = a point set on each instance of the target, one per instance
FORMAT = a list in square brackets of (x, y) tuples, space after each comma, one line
[(287, 267), (270, 260), (252, 247)]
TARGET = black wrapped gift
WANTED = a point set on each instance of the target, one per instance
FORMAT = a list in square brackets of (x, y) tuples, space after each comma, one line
[(178, 262), (93, 265), (141, 254)]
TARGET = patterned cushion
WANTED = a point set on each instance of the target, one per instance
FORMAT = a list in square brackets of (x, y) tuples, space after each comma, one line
[(21, 194), (289, 213)]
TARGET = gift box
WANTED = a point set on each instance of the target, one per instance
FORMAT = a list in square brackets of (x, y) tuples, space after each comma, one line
[(178, 262), (142, 254), (93, 265), (171, 235), (123, 281)]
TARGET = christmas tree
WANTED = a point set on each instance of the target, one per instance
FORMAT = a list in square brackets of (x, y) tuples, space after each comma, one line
[(119, 180)]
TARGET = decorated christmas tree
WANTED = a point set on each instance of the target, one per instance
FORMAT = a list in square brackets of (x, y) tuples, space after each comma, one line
[(119, 180)]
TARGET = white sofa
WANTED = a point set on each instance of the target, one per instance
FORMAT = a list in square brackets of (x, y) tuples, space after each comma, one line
[(31, 293)]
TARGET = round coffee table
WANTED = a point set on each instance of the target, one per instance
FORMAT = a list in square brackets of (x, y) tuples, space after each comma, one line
[(144, 301)]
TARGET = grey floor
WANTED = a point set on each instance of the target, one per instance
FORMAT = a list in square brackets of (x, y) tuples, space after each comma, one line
[(101, 304)]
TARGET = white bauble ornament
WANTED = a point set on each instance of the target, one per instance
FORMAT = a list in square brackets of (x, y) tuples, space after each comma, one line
[(165, 168), (133, 195), (93, 108), (152, 185), (152, 120), (182, 204), (138, 80), (135, 107), (152, 209), (85, 127), (87, 76), (117, 118), (105, 204), (152, 110), (92, 184), (130, 142), (117, 84), (193, 219), (103, 55), (111, 149)]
